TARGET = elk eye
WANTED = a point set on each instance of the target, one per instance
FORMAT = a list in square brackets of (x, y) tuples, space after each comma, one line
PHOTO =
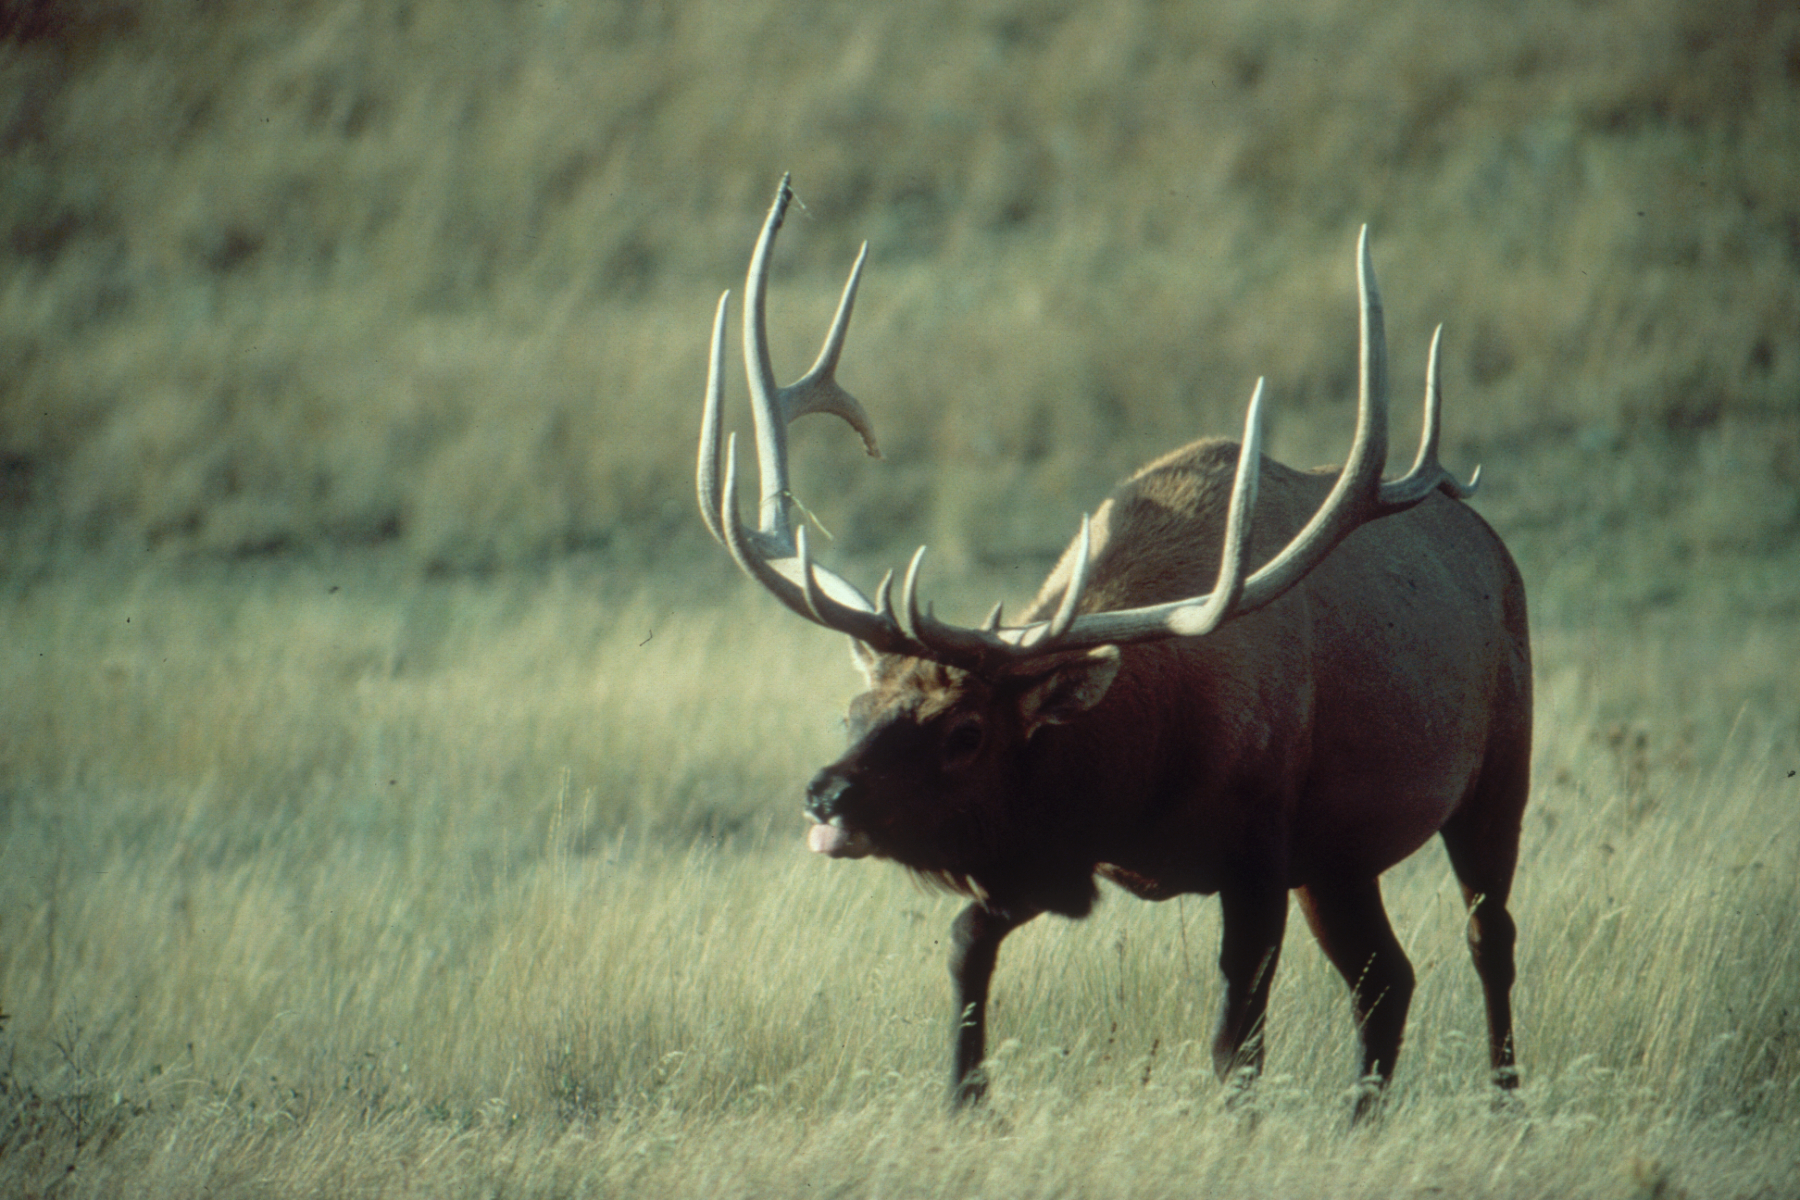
[(962, 741)]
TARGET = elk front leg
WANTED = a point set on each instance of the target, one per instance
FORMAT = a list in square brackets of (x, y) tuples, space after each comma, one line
[(974, 947), (1254, 915)]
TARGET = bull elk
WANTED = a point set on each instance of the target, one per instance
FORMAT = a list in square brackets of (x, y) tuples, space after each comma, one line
[(1356, 679)]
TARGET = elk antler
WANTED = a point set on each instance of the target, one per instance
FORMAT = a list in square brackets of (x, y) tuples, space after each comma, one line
[(776, 553)]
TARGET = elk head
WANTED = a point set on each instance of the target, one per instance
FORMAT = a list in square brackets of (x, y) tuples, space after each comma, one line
[(932, 745)]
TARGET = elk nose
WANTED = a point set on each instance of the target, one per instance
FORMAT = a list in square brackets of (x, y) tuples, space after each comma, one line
[(823, 795)]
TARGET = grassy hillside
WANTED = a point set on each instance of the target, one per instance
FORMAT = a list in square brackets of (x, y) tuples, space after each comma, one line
[(398, 791), (440, 274)]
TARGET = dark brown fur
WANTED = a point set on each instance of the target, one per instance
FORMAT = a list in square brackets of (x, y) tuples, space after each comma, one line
[(1309, 745)]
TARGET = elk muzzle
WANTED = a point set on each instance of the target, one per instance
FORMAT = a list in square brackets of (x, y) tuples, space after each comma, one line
[(830, 835)]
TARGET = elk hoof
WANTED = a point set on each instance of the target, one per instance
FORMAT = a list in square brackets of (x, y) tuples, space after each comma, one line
[(969, 1092), (1366, 1100)]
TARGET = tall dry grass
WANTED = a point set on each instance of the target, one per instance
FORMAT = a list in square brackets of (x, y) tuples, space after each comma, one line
[(320, 882)]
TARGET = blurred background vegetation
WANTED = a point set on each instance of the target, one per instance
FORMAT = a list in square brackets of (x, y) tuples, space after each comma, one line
[(278, 278)]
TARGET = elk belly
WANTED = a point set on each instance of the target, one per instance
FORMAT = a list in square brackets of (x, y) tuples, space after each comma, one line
[(836, 841)]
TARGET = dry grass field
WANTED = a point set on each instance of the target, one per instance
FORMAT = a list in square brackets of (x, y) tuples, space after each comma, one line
[(399, 795)]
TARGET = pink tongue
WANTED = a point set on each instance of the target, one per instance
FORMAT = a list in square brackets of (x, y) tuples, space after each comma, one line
[(835, 842)]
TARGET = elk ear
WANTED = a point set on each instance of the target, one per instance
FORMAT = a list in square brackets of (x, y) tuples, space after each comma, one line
[(1060, 687), (875, 666), (865, 659)]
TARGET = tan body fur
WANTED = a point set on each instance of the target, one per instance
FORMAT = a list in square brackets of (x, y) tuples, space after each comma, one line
[(1362, 705)]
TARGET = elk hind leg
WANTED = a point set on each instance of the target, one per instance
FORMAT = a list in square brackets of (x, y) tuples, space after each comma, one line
[(1483, 842), (1352, 927)]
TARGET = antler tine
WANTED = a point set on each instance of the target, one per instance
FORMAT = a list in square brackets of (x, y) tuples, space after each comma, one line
[(706, 473), (1234, 554), (774, 407), (1371, 436), (771, 429), (731, 524), (1353, 498), (884, 595), (1427, 473), (1078, 574), (809, 583), (818, 390), (909, 616)]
